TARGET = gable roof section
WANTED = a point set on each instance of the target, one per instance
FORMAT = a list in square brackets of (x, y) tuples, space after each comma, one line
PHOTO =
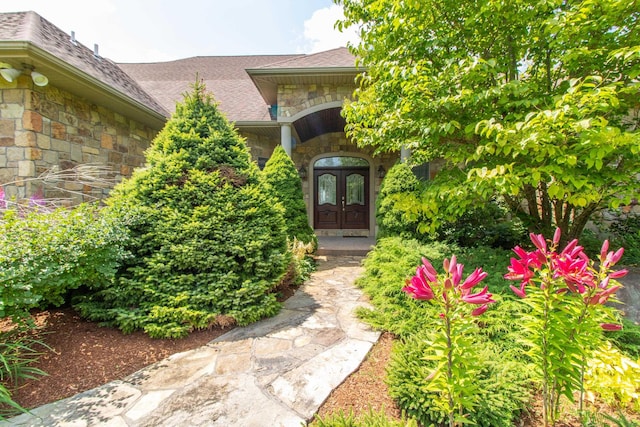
[(27, 38), (224, 76), (335, 66)]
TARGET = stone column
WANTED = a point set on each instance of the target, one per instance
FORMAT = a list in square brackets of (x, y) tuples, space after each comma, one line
[(405, 153), (285, 137)]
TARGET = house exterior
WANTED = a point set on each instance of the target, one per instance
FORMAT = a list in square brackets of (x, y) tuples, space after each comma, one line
[(95, 111)]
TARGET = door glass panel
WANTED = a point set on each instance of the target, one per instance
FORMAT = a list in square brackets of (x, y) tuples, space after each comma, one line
[(327, 189), (355, 189)]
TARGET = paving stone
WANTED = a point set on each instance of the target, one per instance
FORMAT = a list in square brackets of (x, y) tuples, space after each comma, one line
[(276, 372), (148, 403), (306, 387)]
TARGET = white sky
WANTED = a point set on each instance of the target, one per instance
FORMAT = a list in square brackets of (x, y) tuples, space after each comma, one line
[(161, 30)]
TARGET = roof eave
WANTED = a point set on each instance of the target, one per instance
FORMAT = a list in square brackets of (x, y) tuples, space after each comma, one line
[(267, 79), (74, 80)]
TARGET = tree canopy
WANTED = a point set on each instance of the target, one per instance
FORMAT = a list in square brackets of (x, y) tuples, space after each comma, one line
[(535, 101)]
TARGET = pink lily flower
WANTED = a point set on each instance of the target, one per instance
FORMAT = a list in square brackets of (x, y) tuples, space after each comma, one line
[(556, 236), (429, 271), (518, 270), (604, 250), (618, 273), (610, 326), (519, 292), (418, 288), (474, 278), (538, 241), (478, 311), (482, 297), (603, 296)]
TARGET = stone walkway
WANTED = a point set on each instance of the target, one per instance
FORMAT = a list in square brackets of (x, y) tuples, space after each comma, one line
[(276, 372)]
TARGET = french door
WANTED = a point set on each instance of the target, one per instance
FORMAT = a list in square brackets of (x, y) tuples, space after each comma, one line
[(341, 198)]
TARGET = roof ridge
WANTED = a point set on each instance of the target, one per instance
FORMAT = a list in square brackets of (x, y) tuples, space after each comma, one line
[(305, 56)]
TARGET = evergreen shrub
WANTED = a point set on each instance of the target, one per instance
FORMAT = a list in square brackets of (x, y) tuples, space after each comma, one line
[(393, 212), (208, 240), (282, 179)]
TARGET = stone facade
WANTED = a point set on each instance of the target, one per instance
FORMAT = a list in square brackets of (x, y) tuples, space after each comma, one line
[(44, 129), (293, 99)]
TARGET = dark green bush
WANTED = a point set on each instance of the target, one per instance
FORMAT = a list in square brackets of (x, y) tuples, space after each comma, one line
[(625, 232), (208, 240), (486, 225), (47, 253), (628, 339), (396, 214), (393, 213), (282, 179), (504, 377), (394, 259)]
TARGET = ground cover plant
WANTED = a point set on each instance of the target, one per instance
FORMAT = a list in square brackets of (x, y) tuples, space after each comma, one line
[(207, 239), (509, 376)]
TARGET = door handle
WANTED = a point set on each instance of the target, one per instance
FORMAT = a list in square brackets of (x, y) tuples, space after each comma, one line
[(343, 204)]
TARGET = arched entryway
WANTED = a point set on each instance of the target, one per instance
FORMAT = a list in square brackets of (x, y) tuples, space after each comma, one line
[(341, 193)]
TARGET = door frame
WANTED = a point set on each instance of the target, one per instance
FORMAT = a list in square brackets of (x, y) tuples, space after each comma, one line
[(372, 184)]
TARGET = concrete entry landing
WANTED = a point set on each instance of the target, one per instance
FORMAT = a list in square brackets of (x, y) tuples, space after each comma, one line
[(345, 245)]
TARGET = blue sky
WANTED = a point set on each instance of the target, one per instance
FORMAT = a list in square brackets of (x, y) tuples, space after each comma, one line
[(160, 30)]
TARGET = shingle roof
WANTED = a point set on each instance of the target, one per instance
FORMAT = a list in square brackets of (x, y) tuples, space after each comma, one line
[(338, 57), (224, 76), (31, 27), (158, 86)]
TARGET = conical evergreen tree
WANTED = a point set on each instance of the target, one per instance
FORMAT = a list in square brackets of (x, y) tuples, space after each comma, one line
[(390, 210), (281, 176), (208, 241)]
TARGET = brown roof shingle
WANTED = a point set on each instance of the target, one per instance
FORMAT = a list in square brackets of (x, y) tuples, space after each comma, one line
[(224, 76)]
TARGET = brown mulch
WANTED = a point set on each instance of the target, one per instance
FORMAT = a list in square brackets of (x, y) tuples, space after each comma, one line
[(365, 389), (83, 355)]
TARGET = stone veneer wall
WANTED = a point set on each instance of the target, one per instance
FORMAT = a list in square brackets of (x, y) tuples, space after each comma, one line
[(295, 98), (43, 128)]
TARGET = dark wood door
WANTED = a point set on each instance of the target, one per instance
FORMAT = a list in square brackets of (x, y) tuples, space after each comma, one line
[(341, 198)]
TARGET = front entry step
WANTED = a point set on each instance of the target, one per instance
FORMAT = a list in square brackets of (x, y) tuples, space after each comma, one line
[(345, 245)]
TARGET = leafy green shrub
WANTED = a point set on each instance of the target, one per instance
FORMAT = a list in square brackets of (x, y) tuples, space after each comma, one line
[(394, 259), (208, 241), (47, 253), (503, 385), (627, 340), (613, 377), (486, 225), (370, 419), (282, 179), (626, 233), (393, 210)]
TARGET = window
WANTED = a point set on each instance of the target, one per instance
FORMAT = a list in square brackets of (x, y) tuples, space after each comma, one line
[(422, 172), (342, 161)]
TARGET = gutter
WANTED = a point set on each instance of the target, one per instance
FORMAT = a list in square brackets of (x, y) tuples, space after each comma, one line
[(27, 50)]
